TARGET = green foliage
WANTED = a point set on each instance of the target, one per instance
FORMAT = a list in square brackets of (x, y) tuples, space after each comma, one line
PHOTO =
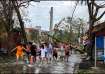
[(64, 36), (82, 72), (17, 29), (81, 46), (2, 31), (71, 30), (34, 35)]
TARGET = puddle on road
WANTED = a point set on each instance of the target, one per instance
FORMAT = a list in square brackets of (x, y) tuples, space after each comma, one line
[(54, 67), (37, 70), (58, 68)]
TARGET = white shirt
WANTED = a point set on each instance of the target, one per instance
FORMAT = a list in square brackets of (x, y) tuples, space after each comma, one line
[(50, 46), (43, 52)]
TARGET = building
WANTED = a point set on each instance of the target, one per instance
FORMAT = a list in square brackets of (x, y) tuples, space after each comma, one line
[(44, 36), (32, 34), (38, 27), (99, 31), (36, 34), (8, 41)]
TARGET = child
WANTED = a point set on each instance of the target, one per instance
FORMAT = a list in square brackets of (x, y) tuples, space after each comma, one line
[(55, 54), (33, 54), (19, 51), (62, 52), (46, 52), (43, 52), (67, 52), (28, 52), (50, 51)]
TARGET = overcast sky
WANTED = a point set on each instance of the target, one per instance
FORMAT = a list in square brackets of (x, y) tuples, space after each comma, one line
[(39, 12)]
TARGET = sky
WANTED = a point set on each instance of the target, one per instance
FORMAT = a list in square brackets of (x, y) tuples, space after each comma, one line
[(38, 12)]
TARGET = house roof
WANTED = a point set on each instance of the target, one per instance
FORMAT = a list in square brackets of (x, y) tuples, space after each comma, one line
[(99, 27), (30, 29)]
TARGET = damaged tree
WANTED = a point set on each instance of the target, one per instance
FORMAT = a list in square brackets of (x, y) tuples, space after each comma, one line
[(93, 11)]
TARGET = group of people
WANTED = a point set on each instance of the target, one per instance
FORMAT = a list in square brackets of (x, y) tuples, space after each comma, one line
[(44, 52)]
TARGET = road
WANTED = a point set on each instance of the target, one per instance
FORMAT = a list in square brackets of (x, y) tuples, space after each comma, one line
[(54, 67)]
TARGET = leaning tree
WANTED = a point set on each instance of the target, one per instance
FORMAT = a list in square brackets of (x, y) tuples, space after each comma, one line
[(95, 15), (7, 10)]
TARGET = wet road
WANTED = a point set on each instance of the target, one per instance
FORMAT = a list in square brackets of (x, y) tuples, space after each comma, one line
[(54, 67)]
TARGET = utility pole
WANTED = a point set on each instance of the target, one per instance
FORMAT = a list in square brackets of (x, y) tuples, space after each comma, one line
[(51, 22)]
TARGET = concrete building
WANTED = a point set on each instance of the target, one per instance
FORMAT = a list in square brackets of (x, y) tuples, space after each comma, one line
[(36, 34), (99, 31)]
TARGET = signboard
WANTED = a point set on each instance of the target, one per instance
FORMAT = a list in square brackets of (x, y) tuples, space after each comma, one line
[(100, 54), (104, 48), (99, 47), (100, 42)]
